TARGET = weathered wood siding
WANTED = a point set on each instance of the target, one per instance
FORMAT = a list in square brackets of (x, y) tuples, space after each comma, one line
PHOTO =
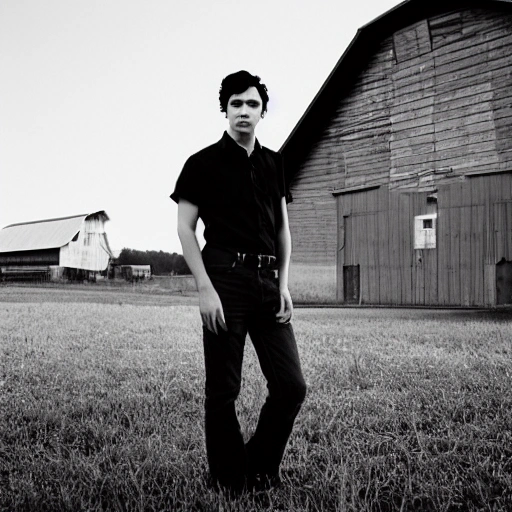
[(474, 233), (90, 250), (432, 106)]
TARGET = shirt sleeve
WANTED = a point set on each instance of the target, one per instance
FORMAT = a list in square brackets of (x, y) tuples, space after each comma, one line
[(188, 183), (284, 186)]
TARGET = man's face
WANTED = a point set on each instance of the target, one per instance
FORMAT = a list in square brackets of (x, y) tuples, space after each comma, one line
[(244, 110)]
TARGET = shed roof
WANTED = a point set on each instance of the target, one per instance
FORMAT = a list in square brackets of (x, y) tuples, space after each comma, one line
[(43, 234), (353, 60)]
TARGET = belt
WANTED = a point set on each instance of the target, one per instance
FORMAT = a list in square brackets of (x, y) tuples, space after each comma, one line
[(255, 261)]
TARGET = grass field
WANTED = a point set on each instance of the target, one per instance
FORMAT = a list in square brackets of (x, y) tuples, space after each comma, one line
[(101, 407)]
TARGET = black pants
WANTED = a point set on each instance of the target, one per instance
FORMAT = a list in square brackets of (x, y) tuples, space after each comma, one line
[(250, 300)]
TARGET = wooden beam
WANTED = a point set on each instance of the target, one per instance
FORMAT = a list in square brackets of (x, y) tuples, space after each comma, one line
[(358, 188)]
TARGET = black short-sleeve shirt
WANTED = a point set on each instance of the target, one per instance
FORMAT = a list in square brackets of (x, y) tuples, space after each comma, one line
[(238, 196)]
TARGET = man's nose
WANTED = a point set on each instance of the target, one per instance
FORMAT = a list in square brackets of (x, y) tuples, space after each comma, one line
[(243, 110)]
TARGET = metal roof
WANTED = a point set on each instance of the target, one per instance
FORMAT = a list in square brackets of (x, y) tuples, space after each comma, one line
[(42, 234), (353, 60)]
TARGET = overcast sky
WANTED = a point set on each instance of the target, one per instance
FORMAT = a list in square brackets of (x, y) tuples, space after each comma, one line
[(102, 101)]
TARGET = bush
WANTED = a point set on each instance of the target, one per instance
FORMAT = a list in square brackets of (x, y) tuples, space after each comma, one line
[(162, 263)]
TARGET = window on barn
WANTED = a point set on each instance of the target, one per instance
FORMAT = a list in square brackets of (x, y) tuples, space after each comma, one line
[(412, 42), (445, 29), (425, 231)]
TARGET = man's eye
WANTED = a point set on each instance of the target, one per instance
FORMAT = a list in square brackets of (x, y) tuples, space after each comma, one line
[(253, 104), (236, 103)]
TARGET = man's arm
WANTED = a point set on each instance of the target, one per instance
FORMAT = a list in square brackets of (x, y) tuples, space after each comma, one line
[(284, 250), (210, 305)]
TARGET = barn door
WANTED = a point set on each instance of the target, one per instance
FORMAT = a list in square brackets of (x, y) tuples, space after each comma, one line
[(351, 284), (504, 282), (348, 288), (503, 248), (363, 246), (348, 269)]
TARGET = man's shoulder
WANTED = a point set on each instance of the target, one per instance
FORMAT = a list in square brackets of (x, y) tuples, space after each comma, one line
[(275, 156), (270, 151), (206, 153)]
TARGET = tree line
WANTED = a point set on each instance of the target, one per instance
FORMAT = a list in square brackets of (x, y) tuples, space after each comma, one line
[(162, 263)]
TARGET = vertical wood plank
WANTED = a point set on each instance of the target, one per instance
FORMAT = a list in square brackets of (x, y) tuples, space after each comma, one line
[(477, 254), (373, 258), (340, 255), (508, 230), (363, 257), (395, 284), (384, 257), (466, 274), (432, 297), (454, 259), (443, 249), (406, 230), (490, 284)]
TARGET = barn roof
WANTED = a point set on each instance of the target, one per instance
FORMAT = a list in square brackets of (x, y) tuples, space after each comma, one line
[(43, 234), (353, 60)]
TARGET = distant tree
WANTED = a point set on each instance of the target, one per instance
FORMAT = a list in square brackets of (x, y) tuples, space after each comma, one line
[(162, 263)]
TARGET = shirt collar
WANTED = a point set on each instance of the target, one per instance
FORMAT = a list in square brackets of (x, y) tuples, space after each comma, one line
[(229, 144)]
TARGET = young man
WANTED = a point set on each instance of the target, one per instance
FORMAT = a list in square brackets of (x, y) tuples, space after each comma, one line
[(237, 188)]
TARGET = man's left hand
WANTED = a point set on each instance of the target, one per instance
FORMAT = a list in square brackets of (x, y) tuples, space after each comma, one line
[(285, 313)]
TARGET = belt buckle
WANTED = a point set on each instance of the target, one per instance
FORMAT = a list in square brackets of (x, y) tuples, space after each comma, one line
[(259, 260)]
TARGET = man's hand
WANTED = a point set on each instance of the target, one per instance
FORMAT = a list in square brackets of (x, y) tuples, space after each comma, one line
[(211, 310), (285, 313)]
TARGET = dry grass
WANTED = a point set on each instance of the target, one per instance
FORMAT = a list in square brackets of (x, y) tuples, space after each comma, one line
[(101, 401), (312, 284)]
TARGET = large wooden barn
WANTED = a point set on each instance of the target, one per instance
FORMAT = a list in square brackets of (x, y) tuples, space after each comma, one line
[(74, 247), (401, 167)]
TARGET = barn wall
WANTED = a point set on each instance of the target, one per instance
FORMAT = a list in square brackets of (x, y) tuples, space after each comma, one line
[(474, 234), (90, 250), (379, 238), (22, 258), (432, 105)]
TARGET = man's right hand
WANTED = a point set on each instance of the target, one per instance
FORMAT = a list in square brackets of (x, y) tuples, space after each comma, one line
[(210, 305), (211, 310)]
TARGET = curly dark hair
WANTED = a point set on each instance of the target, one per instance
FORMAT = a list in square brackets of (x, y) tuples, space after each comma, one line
[(239, 82)]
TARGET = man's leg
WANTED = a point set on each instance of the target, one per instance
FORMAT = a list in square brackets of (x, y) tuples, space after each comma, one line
[(279, 360), (224, 442)]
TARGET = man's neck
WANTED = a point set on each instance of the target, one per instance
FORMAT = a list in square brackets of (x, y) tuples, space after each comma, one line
[(246, 140)]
